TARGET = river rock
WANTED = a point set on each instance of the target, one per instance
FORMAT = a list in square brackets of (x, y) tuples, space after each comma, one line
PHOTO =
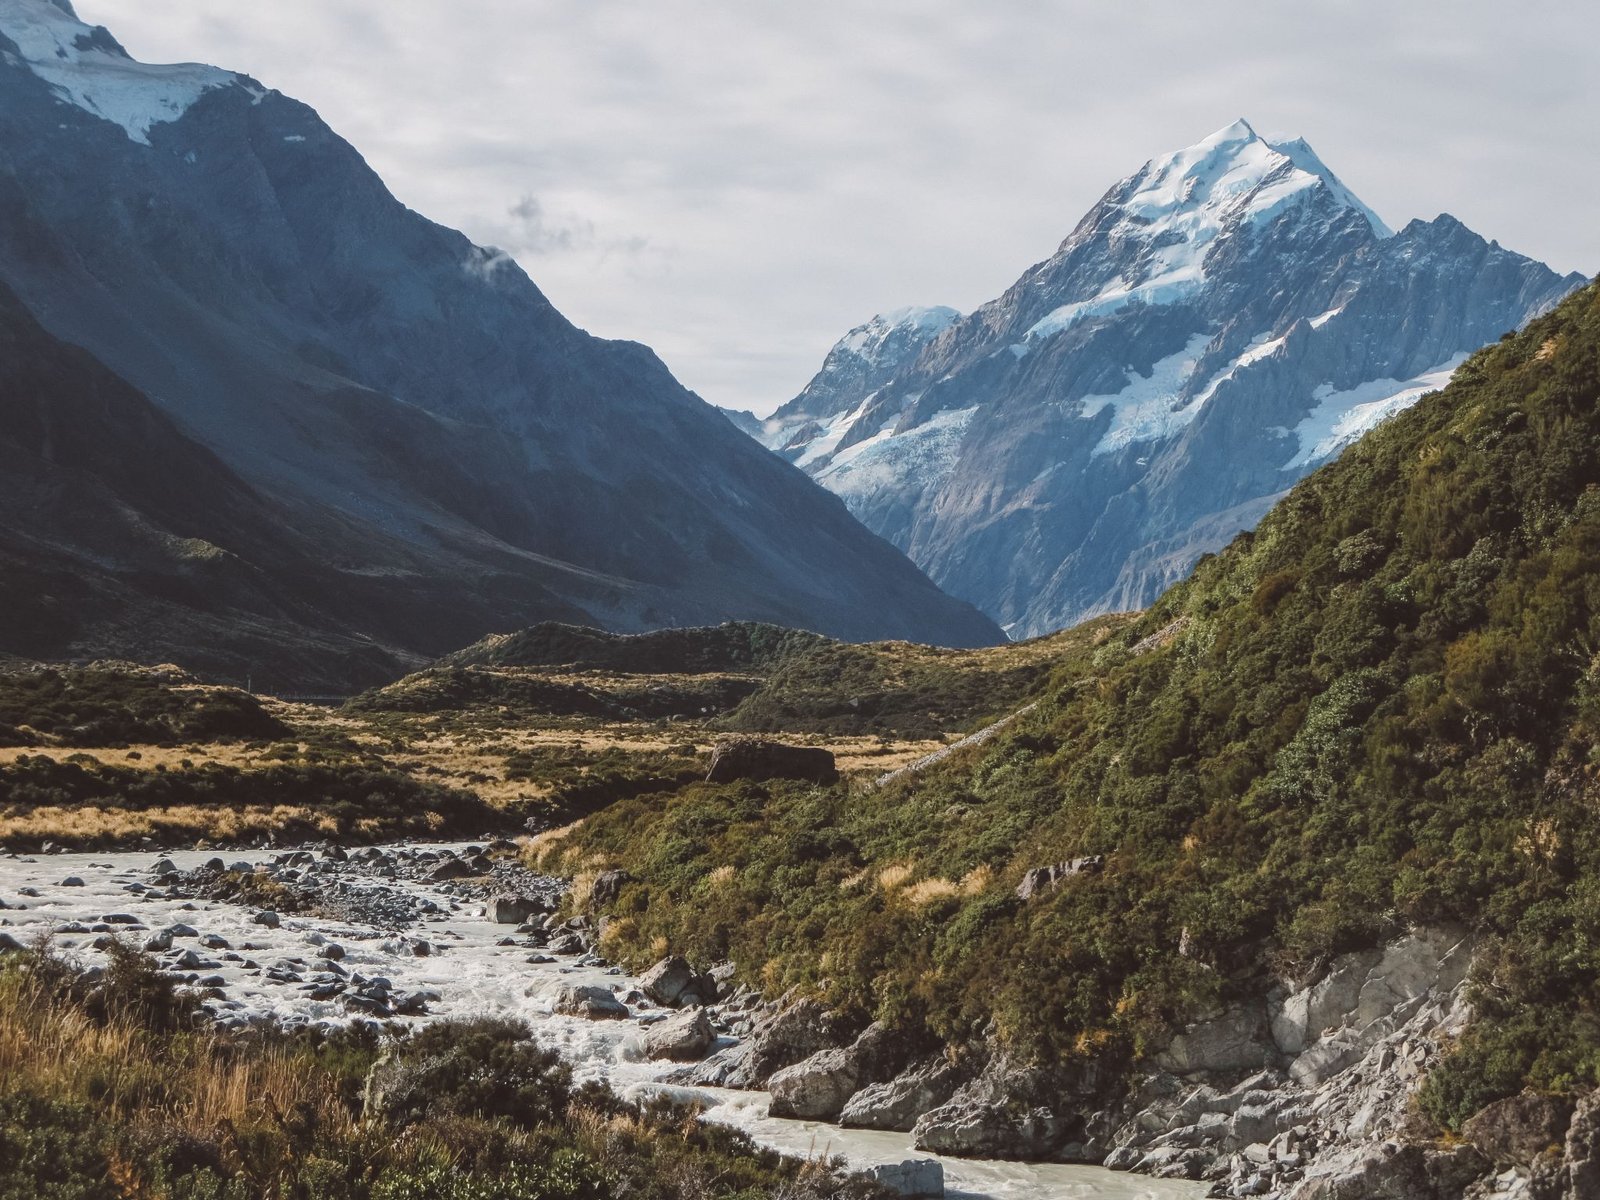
[(915, 1177), (682, 1038), (9, 944), (816, 1089), (665, 981), (450, 868), (759, 759), (674, 983), (897, 1103), (515, 910), (595, 1003), (797, 1030)]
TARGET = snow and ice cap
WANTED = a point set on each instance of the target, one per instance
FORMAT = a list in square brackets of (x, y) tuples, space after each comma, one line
[(86, 67), (919, 323), (1232, 171)]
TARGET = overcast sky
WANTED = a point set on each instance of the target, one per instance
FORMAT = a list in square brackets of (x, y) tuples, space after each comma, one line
[(738, 183)]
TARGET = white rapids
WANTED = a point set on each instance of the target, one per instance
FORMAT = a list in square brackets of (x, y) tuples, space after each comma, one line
[(471, 976)]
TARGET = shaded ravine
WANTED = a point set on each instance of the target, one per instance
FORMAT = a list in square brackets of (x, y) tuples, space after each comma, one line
[(464, 973)]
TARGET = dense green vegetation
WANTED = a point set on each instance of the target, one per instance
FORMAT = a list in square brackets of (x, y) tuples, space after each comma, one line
[(112, 1088), (1380, 709), (105, 707)]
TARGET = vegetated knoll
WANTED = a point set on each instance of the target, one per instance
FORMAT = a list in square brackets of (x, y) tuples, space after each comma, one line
[(740, 676), (115, 704), (734, 646), (1379, 710), (111, 754)]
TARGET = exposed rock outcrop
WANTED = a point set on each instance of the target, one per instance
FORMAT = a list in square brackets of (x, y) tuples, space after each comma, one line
[(759, 759)]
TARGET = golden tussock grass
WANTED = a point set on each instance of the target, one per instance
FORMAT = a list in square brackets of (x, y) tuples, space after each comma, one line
[(188, 1080), (928, 890), (894, 876)]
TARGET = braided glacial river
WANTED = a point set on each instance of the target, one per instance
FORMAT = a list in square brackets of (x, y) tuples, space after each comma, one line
[(461, 970)]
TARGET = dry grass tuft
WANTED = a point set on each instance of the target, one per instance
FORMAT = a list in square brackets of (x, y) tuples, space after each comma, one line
[(894, 876), (929, 890)]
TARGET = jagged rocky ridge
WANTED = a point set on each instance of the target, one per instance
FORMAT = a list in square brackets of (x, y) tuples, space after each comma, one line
[(1220, 323), (407, 407)]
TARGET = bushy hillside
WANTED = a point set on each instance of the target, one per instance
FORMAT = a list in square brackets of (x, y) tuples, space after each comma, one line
[(1379, 709)]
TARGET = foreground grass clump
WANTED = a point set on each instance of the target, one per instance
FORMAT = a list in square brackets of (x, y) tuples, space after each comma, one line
[(1379, 710), (116, 1088)]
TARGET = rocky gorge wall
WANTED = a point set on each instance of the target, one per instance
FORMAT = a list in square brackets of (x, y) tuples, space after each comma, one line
[(1295, 1093)]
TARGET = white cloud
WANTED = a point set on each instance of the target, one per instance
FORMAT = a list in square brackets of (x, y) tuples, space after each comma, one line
[(738, 184)]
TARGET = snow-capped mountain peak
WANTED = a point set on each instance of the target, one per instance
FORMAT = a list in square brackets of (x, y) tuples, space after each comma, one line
[(873, 339), (1235, 172), (1151, 237), (88, 68), (1222, 321)]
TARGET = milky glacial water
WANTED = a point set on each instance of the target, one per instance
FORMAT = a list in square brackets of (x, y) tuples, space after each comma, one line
[(475, 977)]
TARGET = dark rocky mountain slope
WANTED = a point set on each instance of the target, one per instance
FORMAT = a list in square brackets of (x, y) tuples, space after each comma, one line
[(427, 419)]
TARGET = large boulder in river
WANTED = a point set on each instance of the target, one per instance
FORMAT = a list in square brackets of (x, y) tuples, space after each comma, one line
[(758, 759), (915, 1178), (897, 1103), (683, 1038), (673, 982), (595, 1003), (817, 1088), (795, 1032), (515, 910)]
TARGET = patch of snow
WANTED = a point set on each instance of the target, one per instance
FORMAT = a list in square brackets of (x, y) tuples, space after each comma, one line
[(1341, 417), (1148, 407), (922, 457), (1321, 319), (88, 69)]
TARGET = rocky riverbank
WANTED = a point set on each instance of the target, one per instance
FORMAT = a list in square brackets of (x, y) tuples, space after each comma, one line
[(405, 935), (1300, 1093)]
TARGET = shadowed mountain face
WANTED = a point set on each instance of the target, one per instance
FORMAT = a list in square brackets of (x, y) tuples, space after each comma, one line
[(1222, 322), (416, 415)]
